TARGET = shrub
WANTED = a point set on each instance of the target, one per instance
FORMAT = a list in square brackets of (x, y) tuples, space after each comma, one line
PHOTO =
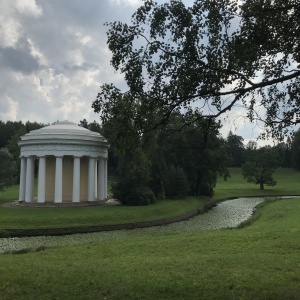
[(4, 233), (129, 192), (207, 189), (176, 184)]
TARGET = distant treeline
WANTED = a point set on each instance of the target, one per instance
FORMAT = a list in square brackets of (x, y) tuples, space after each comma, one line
[(166, 160)]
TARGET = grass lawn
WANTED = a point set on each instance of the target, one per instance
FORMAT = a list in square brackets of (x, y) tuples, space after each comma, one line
[(236, 186), (288, 183), (29, 218), (261, 261), (11, 218)]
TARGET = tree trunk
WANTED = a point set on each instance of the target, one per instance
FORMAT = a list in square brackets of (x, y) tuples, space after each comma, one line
[(197, 188), (261, 183)]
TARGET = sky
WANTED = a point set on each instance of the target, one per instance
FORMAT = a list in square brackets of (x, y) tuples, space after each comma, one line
[(54, 57)]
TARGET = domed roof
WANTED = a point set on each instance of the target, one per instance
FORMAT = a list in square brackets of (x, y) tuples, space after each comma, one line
[(63, 138), (63, 130)]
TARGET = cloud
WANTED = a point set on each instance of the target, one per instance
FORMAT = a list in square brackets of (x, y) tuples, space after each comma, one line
[(8, 109), (10, 31), (18, 60), (54, 57), (12, 16)]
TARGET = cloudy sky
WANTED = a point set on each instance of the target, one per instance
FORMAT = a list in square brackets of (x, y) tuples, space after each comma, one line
[(54, 57)]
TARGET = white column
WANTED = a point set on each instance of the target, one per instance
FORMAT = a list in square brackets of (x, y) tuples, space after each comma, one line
[(91, 179), (58, 179), (29, 179), (22, 179), (105, 178), (100, 191), (76, 180), (96, 180), (42, 180)]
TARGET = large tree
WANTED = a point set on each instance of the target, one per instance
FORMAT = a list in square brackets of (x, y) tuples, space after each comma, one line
[(214, 55), (260, 165), (295, 149), (235, 149)]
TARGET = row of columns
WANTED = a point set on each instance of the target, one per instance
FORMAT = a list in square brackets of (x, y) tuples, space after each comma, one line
[(27, 179)]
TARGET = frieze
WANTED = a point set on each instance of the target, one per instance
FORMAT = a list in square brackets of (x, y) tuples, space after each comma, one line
[(63, 147)]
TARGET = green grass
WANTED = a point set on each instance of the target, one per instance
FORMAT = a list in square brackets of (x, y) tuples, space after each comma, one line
[(34, 218), (236, 186), (11, 193), (261, 261), (11, 218), (287, 184)]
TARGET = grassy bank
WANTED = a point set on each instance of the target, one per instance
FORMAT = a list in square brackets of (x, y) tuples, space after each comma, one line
[(257, 262), (12, 218), (287, 184)]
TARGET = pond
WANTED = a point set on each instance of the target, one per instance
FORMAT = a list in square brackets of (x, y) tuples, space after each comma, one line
[(227, 214)]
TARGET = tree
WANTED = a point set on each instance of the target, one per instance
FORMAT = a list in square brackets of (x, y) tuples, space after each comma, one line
[(7, 169), (260, 166), (213, 56), (284, 153), (295, 149), (159, 158), (235, 148), (84, 123)]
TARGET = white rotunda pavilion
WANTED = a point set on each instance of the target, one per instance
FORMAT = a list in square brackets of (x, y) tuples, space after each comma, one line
[(72, 164)]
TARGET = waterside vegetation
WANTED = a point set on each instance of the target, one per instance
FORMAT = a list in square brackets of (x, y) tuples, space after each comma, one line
[(235, 186)]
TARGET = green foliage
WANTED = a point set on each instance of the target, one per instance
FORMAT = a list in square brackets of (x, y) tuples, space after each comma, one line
[(285, 153), (4, 233), (206, 56), (295, 149), (176, 183), (130, 192), (260, 166), (7, 169), (235, 149), (93, 126), (10, 133)]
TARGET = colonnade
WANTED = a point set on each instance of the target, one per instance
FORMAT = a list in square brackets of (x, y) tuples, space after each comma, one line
[(97, 179)]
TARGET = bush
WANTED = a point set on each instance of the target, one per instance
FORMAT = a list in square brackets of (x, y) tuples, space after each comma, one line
[(4, 233), (206, 189), (129, 192), (176, 185)]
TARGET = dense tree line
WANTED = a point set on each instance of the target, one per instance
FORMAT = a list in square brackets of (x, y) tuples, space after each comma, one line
[(172, 161), (10, 133)]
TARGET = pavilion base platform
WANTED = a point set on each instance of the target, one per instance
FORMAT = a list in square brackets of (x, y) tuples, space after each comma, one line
[(35, 204)]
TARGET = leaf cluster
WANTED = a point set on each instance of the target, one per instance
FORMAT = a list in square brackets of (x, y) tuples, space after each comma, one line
[(213, 56)]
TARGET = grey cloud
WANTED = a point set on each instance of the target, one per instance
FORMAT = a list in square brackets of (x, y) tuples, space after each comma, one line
[(18, 60), (56, 36)]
